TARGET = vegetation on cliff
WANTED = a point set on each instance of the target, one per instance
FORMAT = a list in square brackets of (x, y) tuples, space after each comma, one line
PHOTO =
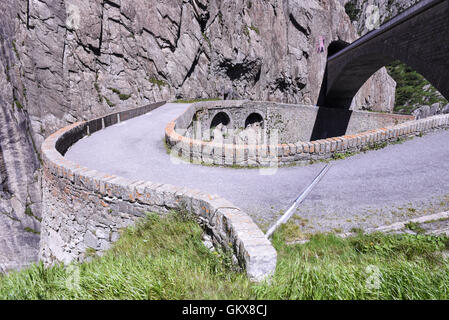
[(412, 90), (164, 258), (352, 11)]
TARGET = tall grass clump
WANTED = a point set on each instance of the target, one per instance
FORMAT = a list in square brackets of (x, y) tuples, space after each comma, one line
[(164, 258), (376, 266), (159, 258)]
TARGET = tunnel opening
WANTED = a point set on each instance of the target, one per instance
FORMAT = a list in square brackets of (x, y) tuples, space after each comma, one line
[(220, 118), (336, 46), (254, 118)]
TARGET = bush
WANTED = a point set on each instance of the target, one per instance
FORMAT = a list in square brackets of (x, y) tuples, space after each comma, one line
[(352, 11)]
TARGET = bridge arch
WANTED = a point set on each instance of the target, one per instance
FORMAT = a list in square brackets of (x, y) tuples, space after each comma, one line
[(254, 117), (220, 118), (416, 37)]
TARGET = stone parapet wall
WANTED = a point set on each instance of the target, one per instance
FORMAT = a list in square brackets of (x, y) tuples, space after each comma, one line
[(218, 153), (84, 210), (291, 122)]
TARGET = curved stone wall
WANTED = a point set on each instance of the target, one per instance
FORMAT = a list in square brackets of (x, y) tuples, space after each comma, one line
[(225, 154), (292, 122), (84, 210)]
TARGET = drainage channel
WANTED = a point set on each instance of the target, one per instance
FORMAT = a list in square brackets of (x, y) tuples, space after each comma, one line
[(287, 215)]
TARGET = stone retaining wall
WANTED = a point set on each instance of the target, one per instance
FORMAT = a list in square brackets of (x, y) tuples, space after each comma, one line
[(223, 154), (84, 210)]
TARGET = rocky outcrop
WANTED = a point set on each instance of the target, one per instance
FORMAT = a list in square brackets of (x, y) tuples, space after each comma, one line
[(64, 61), (378, 93), (432, 110), (361, 11)]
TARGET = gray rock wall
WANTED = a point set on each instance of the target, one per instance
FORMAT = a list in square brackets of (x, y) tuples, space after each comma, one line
[(20, 194), (429, 111)]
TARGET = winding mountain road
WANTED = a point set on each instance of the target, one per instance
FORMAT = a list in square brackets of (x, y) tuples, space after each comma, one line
[(366, 190)]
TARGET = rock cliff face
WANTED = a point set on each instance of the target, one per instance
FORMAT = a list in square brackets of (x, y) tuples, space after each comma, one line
[(359, 11), (377, 94), (20, 194), (63, 61)]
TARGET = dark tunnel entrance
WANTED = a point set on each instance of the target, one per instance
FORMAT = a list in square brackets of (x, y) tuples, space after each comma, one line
[(220, 117), (336, 46), (254, 118)]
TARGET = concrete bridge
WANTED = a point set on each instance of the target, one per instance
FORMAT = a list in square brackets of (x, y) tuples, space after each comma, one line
[(418, 37)]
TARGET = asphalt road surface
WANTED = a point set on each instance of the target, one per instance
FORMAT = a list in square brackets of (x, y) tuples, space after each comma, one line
[(366, 190)]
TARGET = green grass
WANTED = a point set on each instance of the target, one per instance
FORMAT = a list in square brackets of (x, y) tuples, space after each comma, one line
[(255, 29), (415, 227), (31, 230), (246, 29), (17, 104), (340, 155), (366, 148), (206, 38), (410, 92), (122, 96), (97, 88), (8, 78), (164, 258), (14, 47), (196, 100), (109, 102), (29, 212), (158, 83), (116, 91)]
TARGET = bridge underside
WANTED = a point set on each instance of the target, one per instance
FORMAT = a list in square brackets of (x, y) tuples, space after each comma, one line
[(419, 37)]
